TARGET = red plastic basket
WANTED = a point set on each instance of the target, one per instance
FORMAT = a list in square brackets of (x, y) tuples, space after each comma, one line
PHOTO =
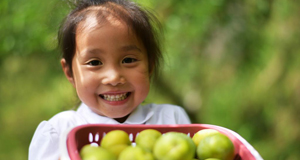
[(93, 133)]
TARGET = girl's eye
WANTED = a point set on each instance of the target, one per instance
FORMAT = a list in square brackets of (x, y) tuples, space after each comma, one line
[(95, 63), (129, 60)]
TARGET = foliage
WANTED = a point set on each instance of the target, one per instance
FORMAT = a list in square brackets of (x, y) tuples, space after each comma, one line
[(230, 63)]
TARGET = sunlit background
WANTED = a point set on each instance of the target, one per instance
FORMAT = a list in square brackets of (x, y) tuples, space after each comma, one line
[(231, 63)]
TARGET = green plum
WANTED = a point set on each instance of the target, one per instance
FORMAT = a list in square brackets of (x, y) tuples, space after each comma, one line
[(198, 136), (135, 153), (89, 152), (116, 141), (216, 146), (147, 138), (174, 146)]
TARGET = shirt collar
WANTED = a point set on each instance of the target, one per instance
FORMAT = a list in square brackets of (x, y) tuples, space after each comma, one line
[(139, 116)]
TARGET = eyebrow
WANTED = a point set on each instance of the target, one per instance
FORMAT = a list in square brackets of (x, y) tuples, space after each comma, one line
[(130, 48), (93, 51), (124, 48)]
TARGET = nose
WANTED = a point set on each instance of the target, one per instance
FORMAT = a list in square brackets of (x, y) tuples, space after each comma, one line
[(112, 77)]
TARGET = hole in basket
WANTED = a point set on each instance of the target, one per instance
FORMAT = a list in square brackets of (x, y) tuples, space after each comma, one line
[(90, 137), (188, 134), (97, 137), (131, 137), (94, 144), (94, 139)]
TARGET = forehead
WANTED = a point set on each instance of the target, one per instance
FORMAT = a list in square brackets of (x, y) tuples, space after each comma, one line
[(97, 16), (102, 24)]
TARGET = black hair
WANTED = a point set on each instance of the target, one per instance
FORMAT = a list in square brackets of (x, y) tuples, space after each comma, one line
[(143, 23)]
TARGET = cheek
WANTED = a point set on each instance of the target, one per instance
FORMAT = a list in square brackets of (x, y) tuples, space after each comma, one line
[(86, 81), (143, 82), (146, 77), (82, 79)]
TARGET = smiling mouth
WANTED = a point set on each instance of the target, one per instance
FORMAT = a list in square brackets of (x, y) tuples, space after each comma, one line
[(115, 97)]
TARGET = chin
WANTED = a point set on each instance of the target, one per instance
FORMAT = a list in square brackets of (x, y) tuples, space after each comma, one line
[(120, 116), (122, 119)]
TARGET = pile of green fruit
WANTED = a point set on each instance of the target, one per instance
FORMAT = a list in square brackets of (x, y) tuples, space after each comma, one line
[(150, 144)]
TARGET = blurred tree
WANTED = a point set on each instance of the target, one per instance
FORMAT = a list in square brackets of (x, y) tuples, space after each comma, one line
[(236, 64)]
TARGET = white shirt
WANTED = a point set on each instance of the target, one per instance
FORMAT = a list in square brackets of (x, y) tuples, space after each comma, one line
[(45, 141)]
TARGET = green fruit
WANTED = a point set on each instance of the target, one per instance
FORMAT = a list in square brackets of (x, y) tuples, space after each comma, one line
[(87, 149), (135, 153), (147, 138), (174, 146), (115, 137), (116, 141), (202, 134), (117, 149), (89, 152), (216, 146)]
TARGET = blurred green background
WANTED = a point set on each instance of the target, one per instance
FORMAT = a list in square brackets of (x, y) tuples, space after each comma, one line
[(231, 63)]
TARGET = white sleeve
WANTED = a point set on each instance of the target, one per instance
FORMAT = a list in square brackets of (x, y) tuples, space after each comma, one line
[(45, 143), (181, 116)]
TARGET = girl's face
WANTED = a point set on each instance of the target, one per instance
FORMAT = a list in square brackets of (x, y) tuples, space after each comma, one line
[(110, 67)]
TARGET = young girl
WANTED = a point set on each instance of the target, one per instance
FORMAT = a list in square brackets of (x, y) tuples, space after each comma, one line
[(110, 52)]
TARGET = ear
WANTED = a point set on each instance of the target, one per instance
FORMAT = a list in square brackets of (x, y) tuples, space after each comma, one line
[(67, 70)]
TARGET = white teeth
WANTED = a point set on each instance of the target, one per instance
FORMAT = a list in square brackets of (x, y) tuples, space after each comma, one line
[(116, 97)]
